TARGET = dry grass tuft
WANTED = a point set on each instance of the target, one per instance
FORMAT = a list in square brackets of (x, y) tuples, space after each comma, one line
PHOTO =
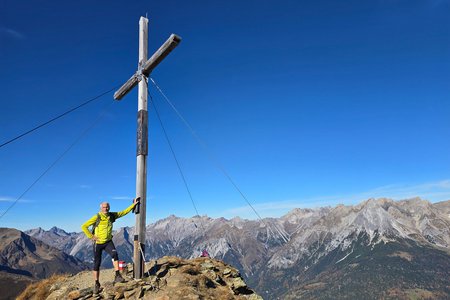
[(39, 290)]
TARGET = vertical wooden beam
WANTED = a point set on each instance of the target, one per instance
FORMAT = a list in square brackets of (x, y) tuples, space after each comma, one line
[(141, 154), (145, 67)]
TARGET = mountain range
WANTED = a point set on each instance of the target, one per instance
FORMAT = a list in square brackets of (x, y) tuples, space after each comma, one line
[(24, 259), (378, 249)]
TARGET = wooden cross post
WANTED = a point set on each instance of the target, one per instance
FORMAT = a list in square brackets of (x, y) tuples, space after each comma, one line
[(145, 67)]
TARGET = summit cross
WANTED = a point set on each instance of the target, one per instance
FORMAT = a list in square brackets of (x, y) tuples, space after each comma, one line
[(145, 67)]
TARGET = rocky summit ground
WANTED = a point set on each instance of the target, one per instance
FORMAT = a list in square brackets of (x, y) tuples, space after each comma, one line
[(166, 278)]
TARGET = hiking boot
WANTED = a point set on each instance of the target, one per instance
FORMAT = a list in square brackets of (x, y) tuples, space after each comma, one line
[(118, 279), (97, 288)]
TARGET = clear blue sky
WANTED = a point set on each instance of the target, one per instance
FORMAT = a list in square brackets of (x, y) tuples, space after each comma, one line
[(305, 104)]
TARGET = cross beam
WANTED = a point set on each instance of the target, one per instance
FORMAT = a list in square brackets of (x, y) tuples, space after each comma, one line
[(145, 67), (148, 66)]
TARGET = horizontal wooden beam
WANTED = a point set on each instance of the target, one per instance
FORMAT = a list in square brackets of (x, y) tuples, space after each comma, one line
[(126, 87), (160, 54), (149, 65)]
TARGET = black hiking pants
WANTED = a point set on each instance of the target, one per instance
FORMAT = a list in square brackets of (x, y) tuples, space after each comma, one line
[(98, 250)]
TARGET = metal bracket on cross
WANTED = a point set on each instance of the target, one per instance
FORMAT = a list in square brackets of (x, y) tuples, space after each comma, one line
[(139, 74)]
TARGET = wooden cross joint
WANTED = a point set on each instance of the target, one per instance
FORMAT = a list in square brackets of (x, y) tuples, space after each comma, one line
[(148, 66)]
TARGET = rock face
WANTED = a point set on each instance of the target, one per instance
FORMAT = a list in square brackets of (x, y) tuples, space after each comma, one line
[(167, 278)]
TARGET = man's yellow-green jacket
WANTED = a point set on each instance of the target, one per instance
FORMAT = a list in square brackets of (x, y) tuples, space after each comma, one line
[(103, 231)]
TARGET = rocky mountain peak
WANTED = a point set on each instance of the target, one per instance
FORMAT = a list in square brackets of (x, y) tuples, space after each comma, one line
[(7, 235), (35, 231), (296, 213), (168, 277), (58, 231)]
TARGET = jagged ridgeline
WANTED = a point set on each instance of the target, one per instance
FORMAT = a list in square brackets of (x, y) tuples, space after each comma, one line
[(379, 249)]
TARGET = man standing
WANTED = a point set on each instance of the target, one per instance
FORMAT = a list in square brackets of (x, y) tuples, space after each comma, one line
[(101, 235)]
